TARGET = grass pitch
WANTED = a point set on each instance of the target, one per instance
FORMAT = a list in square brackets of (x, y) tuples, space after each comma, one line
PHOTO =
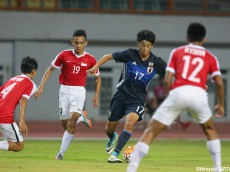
[(90, 156)]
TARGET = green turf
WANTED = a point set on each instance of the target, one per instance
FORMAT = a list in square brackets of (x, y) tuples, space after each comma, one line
[(88, 156)]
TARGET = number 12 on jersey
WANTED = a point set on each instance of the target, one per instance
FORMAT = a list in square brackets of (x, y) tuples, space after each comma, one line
[(199, 62)]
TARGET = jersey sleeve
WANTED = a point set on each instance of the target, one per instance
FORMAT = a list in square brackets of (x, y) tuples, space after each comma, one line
[(215, 67), (30, 90), (171, 62), (122, 56), (93, 62), (57, 62), (161, 65), (1, 87)]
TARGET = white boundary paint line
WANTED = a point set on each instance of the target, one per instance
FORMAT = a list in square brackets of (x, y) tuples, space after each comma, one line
[(132, 139)]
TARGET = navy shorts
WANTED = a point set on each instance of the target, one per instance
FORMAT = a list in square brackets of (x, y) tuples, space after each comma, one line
[(122, 104)]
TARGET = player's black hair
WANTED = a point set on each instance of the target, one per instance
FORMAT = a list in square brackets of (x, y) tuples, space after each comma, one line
[(28, 64), (196, 32), (80, 32), (146, 35)]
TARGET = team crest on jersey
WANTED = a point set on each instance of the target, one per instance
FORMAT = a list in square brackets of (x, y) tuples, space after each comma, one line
[(150, 63), (134, 63), (149, 69), (83, 64)]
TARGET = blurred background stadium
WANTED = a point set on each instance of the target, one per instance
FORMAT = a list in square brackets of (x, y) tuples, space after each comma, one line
[(43, 28)]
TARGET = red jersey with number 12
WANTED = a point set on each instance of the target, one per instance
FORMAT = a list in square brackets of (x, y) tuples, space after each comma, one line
[(73, 67), (11, 93), (191, 65)]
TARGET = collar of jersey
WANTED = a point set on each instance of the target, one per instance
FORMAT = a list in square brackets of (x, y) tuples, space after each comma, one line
[(196, 46), (23, 75), (78, 55)]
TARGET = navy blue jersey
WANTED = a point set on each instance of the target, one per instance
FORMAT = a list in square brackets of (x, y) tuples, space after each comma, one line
[(136, 73)]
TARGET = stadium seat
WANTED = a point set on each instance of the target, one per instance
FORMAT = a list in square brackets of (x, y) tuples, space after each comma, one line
[(33, 3), (3, 3), (49, 4), (8, 3), (13, 3)]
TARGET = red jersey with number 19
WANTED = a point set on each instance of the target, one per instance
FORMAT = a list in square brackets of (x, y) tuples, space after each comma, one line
[(191, 65), (73, 67), (11, 93)]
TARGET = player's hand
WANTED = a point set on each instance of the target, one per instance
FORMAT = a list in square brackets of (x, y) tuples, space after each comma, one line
[(93, 71), (95, 102), (38, 93), (219, 111), (23, 127)]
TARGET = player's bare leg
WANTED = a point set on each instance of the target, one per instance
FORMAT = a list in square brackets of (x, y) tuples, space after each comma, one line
[(113, 136), (16, 147), (72, 122), (142, 147), (213, 143), (68, 135), (84, 119), (11, 146), (209, 130), (64, 123), (153, 129), (126, 133), (130, 121)]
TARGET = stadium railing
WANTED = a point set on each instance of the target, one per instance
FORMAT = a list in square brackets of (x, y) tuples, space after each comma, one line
[(164, 7)]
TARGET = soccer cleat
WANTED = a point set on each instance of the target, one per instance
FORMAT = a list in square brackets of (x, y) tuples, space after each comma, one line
[(59, 156), (86, 121), (114, 159), (110, 145)]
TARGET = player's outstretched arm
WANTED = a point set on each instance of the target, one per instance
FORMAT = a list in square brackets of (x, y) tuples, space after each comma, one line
[(103, 60), (22, 122), (45, 77), (219, 108)]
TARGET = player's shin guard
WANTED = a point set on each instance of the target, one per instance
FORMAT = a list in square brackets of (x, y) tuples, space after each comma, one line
[(123, 139), (214, 148), (4, 145), (140, 150), (66, 140)]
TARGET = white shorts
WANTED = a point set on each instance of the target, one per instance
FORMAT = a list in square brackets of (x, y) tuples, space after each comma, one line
[(190, 98), (11, 132), (71, 99)]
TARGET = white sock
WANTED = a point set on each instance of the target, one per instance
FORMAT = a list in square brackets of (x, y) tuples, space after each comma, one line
[(4, 145), (80, 119), (140, 150), (66, 140), (215, 151)]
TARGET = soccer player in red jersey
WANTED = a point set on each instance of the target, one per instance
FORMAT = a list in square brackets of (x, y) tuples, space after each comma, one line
[(190, 65), (73, 64), (17, 89)]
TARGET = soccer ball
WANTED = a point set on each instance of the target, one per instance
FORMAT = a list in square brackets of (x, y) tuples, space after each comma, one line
[(128, 152)]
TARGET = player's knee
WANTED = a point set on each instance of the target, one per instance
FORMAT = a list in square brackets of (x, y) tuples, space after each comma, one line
[(71, 123), (129, 126), (19, 146)]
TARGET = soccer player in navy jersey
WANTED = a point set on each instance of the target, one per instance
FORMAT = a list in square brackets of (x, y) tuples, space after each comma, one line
[(73, 64), (16, 90), (190, 65), (139, 68)]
